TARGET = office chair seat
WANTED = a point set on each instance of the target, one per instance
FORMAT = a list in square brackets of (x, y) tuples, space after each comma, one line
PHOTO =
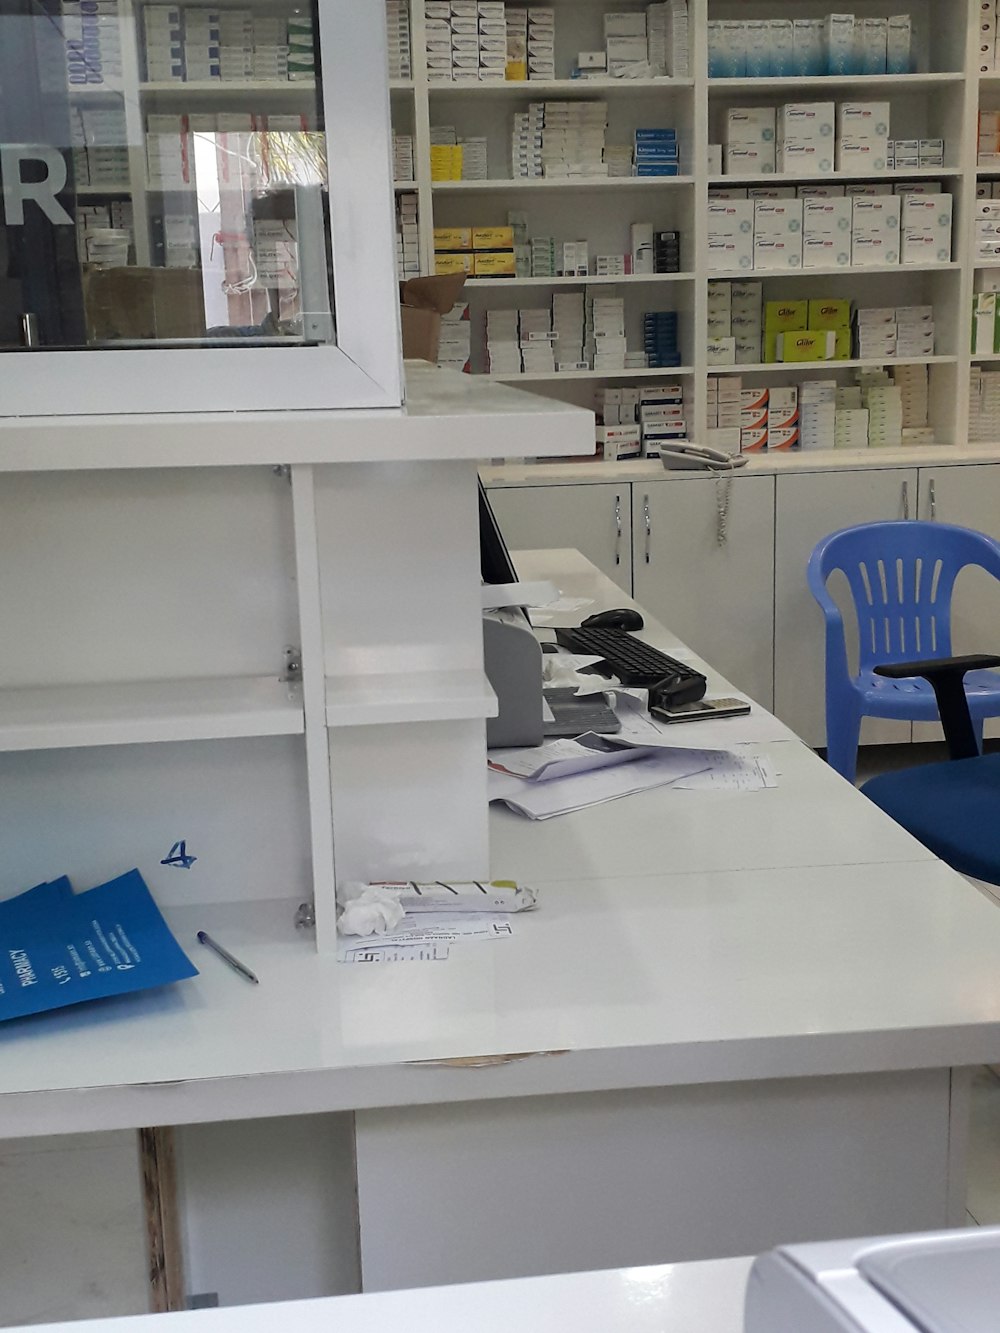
[(953, 808)]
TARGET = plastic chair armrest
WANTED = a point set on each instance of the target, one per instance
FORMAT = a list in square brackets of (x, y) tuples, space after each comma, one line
[(937, 666), (946, 676)]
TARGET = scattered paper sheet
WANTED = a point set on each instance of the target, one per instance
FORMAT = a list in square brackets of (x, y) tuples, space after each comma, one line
[(731, 772), (563, 758), (563, 606), (429, 933), (560, 796), (564, 671), (502, 595)]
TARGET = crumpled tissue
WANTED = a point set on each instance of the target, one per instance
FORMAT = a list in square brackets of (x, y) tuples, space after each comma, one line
[(368, 910)]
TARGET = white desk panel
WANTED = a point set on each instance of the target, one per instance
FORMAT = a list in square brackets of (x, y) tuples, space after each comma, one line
[(672, 1298), (653, 981), (812, 818)]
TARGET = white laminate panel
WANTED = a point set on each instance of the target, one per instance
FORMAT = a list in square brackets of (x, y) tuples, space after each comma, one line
[(709, 573), (596, 520), (637, 1176), (668, 1298), (637, 982)]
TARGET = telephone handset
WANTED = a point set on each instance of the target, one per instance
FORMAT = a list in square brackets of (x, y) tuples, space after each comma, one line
[(693, 457)]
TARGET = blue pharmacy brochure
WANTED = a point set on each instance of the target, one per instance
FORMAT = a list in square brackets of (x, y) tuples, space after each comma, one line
[(34, 903), (58, 948)]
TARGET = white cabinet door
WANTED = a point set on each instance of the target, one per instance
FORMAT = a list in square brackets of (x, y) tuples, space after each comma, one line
[(717, 596), (595, 520), (970, 498), (809, 507)]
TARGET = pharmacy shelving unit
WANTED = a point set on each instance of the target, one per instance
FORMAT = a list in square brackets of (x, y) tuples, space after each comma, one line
[(940, 99)]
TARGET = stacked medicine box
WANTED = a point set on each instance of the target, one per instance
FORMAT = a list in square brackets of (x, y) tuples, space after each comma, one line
[(397, 18), (92, 43), (466, 41), (840, 44)]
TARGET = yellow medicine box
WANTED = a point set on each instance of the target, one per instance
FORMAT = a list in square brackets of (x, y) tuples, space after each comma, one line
[(782, 317), (499, 264), (446, 264), (806, 345), (452, 238), (829, 314), (492, 238)]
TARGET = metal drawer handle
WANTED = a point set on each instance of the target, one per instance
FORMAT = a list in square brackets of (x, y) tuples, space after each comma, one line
[(906, 499), (649, 524), (618, 529)]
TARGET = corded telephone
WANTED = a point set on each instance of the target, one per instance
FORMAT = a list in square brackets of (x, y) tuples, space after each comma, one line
[(694, 458)]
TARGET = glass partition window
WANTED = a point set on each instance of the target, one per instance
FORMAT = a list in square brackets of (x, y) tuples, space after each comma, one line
[(166, 184)]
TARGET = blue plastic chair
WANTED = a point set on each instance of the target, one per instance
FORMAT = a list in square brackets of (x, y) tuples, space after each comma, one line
[(901, 577)]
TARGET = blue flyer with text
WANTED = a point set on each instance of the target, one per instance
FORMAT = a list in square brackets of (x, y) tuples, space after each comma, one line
[(59, 948)]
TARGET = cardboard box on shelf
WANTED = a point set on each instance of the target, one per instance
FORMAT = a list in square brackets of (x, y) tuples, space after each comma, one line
[(423, 301)]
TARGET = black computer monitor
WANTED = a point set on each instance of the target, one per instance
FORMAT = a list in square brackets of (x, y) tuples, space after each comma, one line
[(494, 558)]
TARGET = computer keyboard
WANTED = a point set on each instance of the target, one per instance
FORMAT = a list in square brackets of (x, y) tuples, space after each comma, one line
[(631, 660)]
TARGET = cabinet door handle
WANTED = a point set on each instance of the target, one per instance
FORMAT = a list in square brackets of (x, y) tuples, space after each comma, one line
[(906, 499), (649, 524), (618, 529), (933, 498)]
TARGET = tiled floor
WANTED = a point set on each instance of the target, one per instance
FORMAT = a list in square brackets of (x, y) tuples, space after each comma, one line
[(983, 1197)]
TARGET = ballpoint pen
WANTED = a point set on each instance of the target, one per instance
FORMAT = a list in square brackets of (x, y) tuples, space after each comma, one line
[(227, 957)]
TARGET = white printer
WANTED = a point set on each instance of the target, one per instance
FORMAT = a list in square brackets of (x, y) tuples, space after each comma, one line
[(939, 1282)]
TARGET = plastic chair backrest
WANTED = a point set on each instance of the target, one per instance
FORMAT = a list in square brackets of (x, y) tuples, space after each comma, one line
[(901, 577)]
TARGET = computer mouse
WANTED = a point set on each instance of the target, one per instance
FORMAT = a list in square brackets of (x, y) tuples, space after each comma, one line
[(672, 691), (622, 618)]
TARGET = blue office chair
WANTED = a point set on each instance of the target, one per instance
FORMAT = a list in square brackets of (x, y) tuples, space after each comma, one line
[(901, 577), (952, 808)]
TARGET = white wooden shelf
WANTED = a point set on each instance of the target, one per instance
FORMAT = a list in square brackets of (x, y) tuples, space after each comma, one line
[(770, 367), (561, 183), (98, 191), (401, 85), (415, 696), (986, 357), (631, 279), (758, 274), (560, 87), (540, 376), (401, 187), (870, 82), (788, 178), (225, 88), (60, 717)]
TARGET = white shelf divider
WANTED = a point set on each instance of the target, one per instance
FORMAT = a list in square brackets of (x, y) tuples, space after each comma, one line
[(64, 717)]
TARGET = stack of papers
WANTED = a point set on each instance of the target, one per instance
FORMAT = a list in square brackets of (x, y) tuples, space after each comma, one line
[(59, 948), (562, 776)]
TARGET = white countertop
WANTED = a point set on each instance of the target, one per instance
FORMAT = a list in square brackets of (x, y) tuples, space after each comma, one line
[(447, 416), (586, 471), (672, 1298), (683, 937)]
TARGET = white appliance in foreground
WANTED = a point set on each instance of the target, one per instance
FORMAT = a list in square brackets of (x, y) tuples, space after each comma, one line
[(943, 1282)]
